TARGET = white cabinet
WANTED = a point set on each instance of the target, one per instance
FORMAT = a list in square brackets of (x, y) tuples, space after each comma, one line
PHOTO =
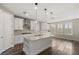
[(18, 24), (18, 39), (6, 30), (34, 45), (1, 31)]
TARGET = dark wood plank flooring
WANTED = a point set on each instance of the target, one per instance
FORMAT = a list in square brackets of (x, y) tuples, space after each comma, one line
[(16, 50), (59, 47)]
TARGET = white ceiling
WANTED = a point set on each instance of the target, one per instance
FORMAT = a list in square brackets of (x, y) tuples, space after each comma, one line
[(61, 11)]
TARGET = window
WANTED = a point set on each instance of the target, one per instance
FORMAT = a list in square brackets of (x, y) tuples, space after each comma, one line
[(59, 29), (66, 25), (53, 25), (53, 28), (60, 26), (70, 25), (68, 28)]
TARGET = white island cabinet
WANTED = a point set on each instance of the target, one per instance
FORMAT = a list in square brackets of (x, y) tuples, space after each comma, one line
[(34, 44)]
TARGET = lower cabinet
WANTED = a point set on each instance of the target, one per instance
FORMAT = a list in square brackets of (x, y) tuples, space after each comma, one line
[(18, 39), (34, 47)]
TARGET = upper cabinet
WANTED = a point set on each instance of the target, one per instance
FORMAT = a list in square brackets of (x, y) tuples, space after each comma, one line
[(18, 24), (35, 26), (26, 25)]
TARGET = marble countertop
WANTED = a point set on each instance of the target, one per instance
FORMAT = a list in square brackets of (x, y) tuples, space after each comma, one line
[(36, 36)]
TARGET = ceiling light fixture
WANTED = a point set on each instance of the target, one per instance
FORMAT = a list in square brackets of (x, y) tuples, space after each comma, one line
[(25, 13), (51, 12), (45, 13), (36, 4), (45, 9), (52, 16), (36, 8)]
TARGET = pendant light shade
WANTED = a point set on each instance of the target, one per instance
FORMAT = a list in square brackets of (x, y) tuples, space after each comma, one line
[(45, 9), (36, 3)]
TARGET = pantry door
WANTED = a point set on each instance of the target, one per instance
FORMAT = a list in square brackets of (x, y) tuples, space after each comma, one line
[(6, 31), (1, 31)]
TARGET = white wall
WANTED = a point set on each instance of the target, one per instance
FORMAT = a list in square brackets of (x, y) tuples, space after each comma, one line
[(76, 29), (44, 27)]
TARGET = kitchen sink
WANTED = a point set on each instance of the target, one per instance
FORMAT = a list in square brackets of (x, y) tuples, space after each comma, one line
[(26, 33), (38, 35)]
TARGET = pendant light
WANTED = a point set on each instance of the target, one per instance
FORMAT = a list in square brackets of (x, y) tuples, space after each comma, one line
[(36, 7), (45, 13), (36, 4)]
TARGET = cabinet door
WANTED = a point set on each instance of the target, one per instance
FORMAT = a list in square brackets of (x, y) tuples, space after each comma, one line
[(1, 31), (18, 24), (18, 39), (6, 31)]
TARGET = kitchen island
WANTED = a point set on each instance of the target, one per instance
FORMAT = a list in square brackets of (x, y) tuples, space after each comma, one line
[(36, 43)]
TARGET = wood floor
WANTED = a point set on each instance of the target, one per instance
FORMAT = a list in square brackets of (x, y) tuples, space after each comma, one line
[(59, 47), (16, 50)]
